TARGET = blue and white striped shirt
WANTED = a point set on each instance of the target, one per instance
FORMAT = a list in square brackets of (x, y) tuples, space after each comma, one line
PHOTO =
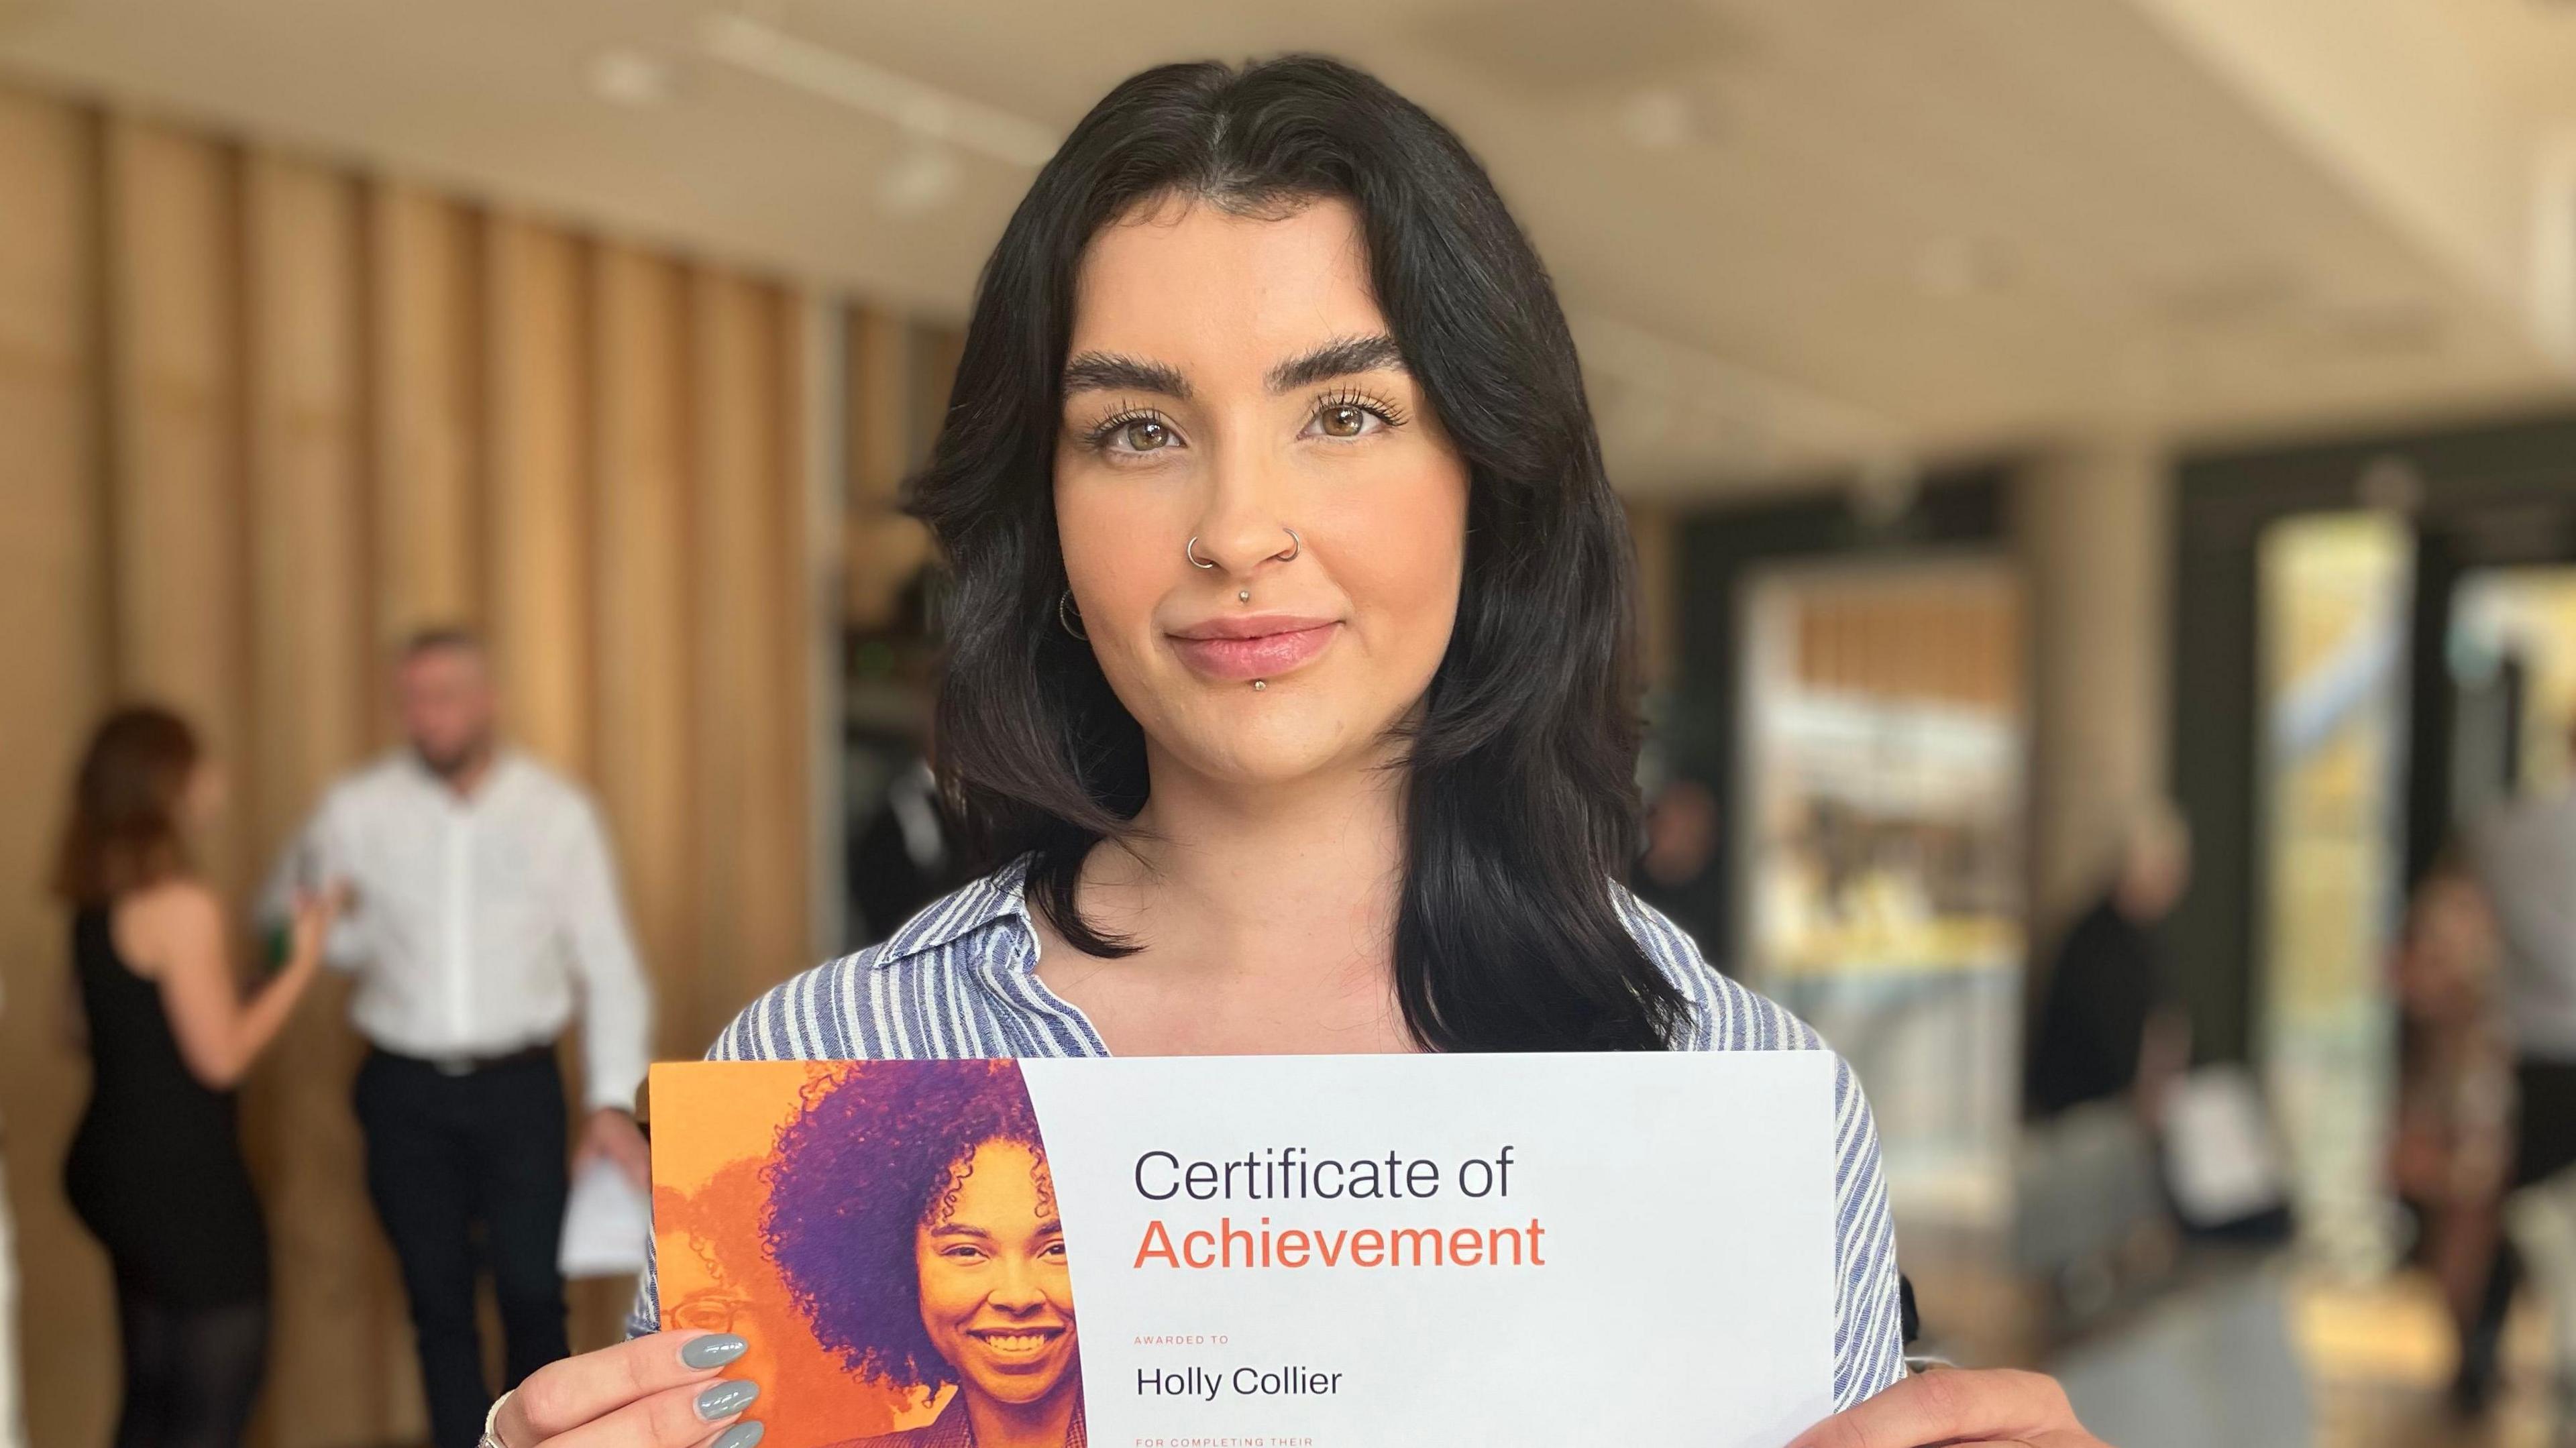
[(960, 980)]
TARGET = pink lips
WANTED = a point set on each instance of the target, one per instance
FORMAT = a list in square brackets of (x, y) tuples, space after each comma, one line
[(1252, 646)]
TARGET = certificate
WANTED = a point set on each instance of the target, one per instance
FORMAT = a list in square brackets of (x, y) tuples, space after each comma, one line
[(1330, 1252)]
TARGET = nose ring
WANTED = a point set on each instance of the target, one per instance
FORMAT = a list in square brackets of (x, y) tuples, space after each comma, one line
[(1296, 546)]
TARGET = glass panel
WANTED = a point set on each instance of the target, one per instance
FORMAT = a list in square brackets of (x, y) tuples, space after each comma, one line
[(2335, 591), (1884, 770)]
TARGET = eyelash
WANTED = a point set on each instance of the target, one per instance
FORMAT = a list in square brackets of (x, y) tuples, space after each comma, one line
[(1378, 407), (1108, 428), (1105, 431)]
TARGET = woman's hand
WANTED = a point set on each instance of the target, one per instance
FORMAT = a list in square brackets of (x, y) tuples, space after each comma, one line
[(652, 1392), (1956, 1408), (310, 928)]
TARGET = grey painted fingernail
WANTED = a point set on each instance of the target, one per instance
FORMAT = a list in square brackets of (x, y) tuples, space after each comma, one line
[(740, 1435), (712, 1350), (726, 1398)]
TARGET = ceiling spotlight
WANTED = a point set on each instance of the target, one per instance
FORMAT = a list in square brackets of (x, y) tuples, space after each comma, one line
[(923, 175), (633, 78), (1659, 119)]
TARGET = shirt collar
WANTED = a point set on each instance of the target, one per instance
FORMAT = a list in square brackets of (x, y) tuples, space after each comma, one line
[(971, 907), (505, 764)]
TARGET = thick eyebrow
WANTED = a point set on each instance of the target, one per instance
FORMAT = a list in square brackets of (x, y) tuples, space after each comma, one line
[(1110, 372), (1048, 1228), (1341, 357)]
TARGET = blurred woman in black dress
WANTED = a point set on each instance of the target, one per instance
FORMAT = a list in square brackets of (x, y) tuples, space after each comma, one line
[(155, 1170)]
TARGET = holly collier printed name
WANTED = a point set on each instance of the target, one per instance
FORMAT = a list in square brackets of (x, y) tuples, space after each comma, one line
[(1209, 1384)]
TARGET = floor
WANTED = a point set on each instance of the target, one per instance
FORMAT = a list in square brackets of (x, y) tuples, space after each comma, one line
[(2266, 1358)]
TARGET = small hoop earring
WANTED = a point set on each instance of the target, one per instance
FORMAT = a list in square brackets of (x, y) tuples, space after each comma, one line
[(1296, 545), (1070, 621), (1191, 550)]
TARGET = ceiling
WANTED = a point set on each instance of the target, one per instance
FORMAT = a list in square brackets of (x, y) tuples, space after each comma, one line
[(1797, 237)]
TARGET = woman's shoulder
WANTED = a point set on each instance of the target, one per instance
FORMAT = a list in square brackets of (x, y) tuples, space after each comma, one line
[(1724, 1014), (919, 993), (178, 915)]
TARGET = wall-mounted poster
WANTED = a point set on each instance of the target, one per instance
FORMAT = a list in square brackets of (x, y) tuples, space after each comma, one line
[(1341, 1252)]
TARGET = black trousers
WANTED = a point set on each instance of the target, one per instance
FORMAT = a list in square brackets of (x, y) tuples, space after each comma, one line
[(468, 1171), (2544, 1146)]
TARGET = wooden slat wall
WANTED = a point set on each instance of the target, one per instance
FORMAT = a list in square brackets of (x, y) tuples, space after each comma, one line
[(178, 559), (264, 417), (55, 655), (536, 524), (312, 664), (424, 333), (749, 682)]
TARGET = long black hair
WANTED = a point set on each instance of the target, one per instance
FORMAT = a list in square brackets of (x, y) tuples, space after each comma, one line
[(1521, 803)]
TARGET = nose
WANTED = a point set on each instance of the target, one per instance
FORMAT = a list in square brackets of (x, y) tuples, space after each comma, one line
[(1018, 1290), (1243, 529)]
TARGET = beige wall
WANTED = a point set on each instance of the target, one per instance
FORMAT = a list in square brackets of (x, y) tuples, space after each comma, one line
[(262, 417)]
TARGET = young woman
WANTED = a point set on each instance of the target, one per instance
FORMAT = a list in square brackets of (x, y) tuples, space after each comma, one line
[(1289, 681), (917, 1232), (155, 1169)]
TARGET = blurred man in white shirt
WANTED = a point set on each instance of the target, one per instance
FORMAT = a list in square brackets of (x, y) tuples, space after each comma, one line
[(482, 912)]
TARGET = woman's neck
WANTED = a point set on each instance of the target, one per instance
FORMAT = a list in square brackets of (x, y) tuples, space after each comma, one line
[(1324, 854), (1046, 1423), (1265, 917)]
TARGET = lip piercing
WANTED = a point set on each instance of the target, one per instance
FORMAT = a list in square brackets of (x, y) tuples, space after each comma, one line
[(1243, 595), (1260, 684)]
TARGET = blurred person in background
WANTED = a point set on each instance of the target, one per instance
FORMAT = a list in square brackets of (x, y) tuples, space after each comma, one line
[(155, 1169), (2108, 1025), (2526, 859), (2454, 1140), (902, 855), (481, 908), (1682, 824)]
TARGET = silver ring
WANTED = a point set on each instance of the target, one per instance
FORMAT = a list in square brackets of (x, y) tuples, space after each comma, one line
[(1296, 545), (492, 1435), (1192, 550)]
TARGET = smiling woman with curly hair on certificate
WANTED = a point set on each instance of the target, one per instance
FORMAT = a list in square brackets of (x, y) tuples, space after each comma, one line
[(914, 1220)]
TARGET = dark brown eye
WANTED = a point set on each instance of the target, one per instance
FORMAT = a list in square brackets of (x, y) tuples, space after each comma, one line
[(1343, 420)]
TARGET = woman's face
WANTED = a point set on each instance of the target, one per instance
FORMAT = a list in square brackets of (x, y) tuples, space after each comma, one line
[(1231, 379), (995, 1296)]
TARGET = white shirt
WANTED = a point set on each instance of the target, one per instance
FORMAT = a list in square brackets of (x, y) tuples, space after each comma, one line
[(480, 921), (2527, 860)]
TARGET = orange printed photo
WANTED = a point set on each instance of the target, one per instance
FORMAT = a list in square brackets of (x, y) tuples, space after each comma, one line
[(884, 1234)]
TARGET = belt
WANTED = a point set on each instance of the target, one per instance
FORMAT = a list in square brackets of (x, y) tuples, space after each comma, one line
[(467, 1065)]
